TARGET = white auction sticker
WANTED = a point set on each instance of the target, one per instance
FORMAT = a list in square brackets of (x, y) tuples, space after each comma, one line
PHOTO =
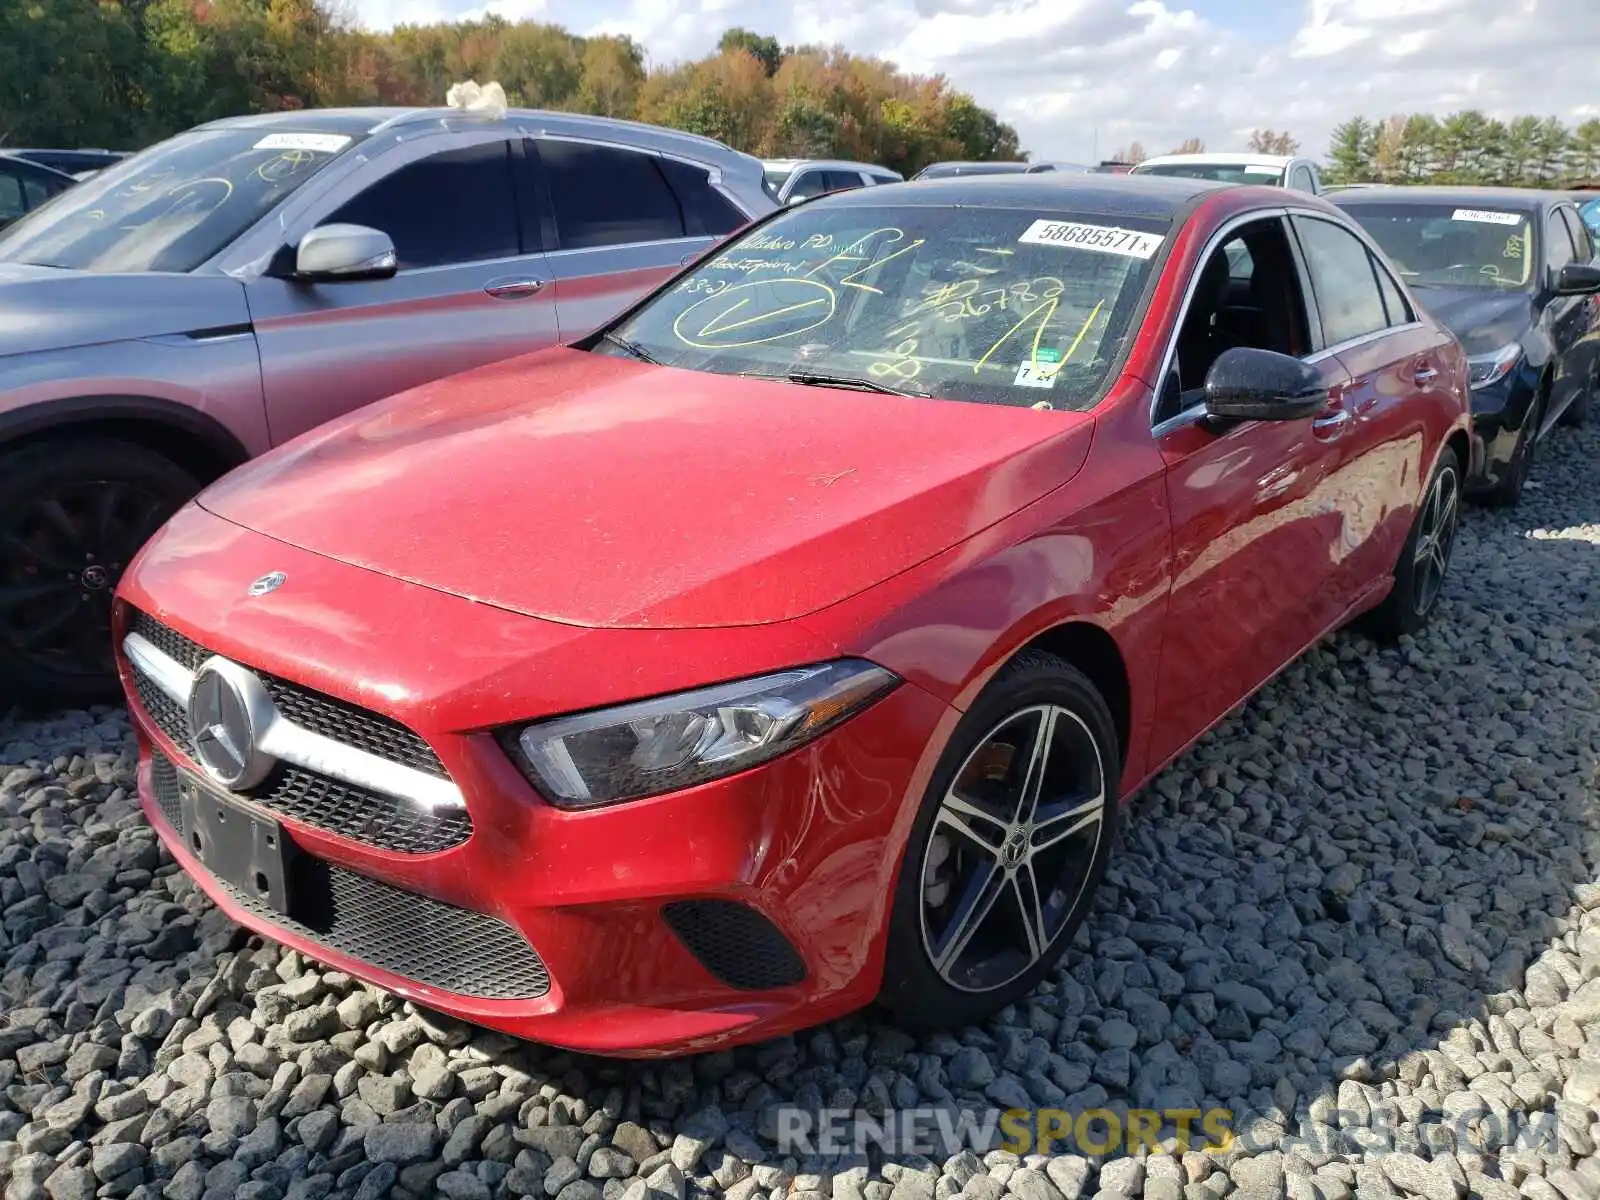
[(1106, 239), (1037, 375), (321, 143), (1483, 214)]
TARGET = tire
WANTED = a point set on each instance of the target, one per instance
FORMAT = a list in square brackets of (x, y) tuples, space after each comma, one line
[(72, 514), (1424, 562), (1508, 490), (998, 961)]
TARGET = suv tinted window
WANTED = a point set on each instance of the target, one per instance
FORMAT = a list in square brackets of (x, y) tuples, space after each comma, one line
[(12, 204), (842, 181), (454, 207), (810, 183), (1344, 280), (605, 196), (706, 211), (1558, 251)]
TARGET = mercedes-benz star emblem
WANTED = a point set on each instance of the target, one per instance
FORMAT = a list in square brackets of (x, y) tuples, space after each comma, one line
[(267, 583), (223, 712)]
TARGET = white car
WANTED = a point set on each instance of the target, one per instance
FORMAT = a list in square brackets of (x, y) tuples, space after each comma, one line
[(1272, 170), (791, 180)]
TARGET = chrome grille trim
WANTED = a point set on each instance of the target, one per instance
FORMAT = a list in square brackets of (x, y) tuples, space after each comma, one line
[(282, 739)]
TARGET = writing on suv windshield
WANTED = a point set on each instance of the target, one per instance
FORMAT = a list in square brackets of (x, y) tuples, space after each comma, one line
[(1452, 245), (1007, 306), (175, 205)]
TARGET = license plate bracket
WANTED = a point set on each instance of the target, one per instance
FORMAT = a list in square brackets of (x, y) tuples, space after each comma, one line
[(238, 845)]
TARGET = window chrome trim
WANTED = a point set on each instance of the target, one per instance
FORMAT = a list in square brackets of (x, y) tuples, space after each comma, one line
[(282, 739)]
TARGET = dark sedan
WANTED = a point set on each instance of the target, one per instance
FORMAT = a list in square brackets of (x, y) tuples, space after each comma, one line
[(25, 185), (1513, 273)]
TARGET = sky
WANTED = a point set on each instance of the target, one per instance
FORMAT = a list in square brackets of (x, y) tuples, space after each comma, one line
[(1079, 79)]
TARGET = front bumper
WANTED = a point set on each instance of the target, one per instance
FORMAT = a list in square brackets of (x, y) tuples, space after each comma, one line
[(1498, 413), (730, 912)]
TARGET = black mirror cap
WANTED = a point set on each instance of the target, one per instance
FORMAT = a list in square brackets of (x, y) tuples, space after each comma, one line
[(1578, 279), (1246, 384)]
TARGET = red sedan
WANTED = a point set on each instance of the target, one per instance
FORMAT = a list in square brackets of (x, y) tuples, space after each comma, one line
[(790, 643)]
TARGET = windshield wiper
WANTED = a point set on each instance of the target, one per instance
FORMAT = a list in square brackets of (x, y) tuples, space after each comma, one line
[(819, 379), (631, 349)]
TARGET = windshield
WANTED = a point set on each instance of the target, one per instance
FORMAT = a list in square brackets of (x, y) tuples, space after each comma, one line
[(173, 206), (1261, 176), (1445, 245), (997, 305)]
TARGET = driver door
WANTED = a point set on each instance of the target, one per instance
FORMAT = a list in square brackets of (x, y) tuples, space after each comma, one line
[(1255, 522), (472, 288)]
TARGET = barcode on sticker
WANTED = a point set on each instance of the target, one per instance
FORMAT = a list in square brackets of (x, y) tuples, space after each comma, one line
[(320, 143), (1484, 214), (1107, 239)]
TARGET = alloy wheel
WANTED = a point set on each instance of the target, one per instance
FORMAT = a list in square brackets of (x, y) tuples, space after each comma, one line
[(1010, 851), (63, 552), (1436, 535)]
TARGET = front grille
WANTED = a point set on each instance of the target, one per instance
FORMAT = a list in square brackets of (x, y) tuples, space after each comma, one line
[(735, 943), (342, 809), (416, 937), (322, 714)]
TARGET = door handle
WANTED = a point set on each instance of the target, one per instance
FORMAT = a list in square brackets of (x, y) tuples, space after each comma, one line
[(513, 289), (1425, 375), (1331, 425)]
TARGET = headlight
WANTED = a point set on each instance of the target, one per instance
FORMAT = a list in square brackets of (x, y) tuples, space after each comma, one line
[(1484, 369), (677, 741)]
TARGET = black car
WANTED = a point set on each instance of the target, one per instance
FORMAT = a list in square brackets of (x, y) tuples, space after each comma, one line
[(1513, 273), (70, 162), (25, 185)]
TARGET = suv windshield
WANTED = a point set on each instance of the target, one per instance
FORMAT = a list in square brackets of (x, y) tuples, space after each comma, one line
[(173, 206), (997, 305), (1261, 176), (1447, 245)]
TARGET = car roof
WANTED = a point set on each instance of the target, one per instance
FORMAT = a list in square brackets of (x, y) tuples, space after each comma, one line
[(359, 122), (1525, 199), (852, 164), (1219, 159), (27, 164), (1155, 196)]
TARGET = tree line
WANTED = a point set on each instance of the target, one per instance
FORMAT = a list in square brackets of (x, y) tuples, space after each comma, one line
[(1464, 148), (124, 73)]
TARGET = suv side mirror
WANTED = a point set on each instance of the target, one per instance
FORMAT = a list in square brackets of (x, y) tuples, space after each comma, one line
[(1578, 279), (343, 253), (1246, 384)]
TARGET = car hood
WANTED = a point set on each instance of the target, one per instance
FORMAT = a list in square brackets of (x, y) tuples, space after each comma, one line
[(42, 308), (605, 492), (1482, 320)]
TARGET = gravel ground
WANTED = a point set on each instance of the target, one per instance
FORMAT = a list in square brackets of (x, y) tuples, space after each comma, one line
[(1364, 915)]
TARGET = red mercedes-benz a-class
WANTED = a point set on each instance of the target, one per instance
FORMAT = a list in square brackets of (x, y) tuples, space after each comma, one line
[(789, 643)]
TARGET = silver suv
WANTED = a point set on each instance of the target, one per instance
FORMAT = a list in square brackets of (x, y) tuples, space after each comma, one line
[(223, 291)]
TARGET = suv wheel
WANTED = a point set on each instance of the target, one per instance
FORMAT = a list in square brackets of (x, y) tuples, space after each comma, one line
[(71, 516)]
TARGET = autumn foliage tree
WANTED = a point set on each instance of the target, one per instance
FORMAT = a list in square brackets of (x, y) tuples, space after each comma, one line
[(124, 73)]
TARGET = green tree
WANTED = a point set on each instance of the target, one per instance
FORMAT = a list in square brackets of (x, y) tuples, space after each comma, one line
[(1350, 156), (764, 50)]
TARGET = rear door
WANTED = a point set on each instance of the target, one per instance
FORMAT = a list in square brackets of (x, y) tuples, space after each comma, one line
[(472, 288), (620, 221), (1395, 366), (1574, 324)]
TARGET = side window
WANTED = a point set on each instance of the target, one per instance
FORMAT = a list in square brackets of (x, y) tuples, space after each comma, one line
[(706, 211), (607, 196), (12, 204), (842, 181), (1580, 234), (454, 207), (1343, 279), (1558, 251), (810, 183), (1247, 294), (1394, 300)]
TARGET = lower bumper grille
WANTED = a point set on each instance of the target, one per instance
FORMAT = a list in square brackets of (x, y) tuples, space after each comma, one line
[(735, 943), (416, 937)]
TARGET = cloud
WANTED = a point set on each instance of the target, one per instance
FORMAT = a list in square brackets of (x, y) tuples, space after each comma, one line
[(1079, 78)]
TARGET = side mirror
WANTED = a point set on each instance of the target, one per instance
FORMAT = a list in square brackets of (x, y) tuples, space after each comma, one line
[(343, 253), (797, 199), (1578, 279), (1245, 384)]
